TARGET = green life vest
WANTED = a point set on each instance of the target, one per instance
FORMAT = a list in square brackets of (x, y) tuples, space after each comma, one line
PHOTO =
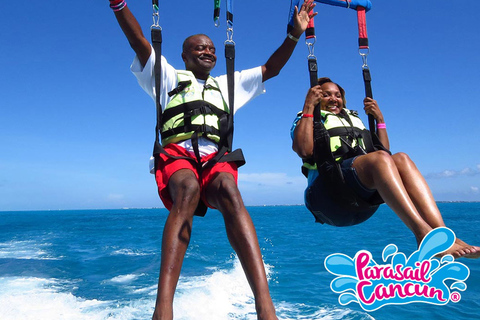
[(347, 135), (193, 111), (346, 131)]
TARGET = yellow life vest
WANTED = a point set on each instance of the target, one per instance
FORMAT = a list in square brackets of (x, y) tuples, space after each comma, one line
[(347, 136), (193, 111), (346, 131)]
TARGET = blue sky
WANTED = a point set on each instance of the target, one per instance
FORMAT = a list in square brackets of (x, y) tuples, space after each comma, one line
[(76, 130)]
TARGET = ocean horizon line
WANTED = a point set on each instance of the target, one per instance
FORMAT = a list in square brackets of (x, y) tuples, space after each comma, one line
[(160, 208)]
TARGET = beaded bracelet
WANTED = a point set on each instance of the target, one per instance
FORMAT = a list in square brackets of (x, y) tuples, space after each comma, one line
[(117, 5), (381, 126)]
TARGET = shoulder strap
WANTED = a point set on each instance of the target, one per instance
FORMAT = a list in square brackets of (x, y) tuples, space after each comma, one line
[(157, 46), (226, 125), (156, 34)]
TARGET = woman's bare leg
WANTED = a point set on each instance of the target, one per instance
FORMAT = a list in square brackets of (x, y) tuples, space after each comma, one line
[(411, 200), (422, 197)]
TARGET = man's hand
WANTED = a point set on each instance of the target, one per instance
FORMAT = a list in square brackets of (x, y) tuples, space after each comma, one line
[(302, 18)]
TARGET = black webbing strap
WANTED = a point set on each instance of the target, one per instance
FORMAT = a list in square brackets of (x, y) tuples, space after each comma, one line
[(230, 61), (157, 46), (156, 34), (226, 138), (321, 151), (367, 79), (313, 71)]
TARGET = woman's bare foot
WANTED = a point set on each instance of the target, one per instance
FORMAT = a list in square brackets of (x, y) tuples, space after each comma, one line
[(460, 249), (473, 251)]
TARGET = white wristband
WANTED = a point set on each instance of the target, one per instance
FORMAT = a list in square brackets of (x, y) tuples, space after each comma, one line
[(292, 37)]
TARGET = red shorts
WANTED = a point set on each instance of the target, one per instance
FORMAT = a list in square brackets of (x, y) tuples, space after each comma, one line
[(167, 166)]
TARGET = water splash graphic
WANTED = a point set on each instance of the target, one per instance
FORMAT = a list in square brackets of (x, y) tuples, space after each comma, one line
[(420, 278)]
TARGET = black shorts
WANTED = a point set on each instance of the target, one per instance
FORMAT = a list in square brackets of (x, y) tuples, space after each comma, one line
[(341, 204), (353, 181)]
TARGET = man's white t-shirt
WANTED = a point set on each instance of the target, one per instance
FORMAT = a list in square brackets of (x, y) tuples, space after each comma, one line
[(248, 85)]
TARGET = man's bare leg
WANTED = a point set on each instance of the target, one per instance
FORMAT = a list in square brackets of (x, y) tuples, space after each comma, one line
[(185, 192), (223, 194)]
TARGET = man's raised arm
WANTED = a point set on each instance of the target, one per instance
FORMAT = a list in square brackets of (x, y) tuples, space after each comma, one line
[(280, 57), (132, 30)]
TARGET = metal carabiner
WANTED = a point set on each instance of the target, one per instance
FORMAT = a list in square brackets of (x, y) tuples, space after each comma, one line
[(364, 57), (156, 18), (230, 36), (311, 47)]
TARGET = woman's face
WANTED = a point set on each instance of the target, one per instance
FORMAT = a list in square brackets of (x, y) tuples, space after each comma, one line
[(331, 99)]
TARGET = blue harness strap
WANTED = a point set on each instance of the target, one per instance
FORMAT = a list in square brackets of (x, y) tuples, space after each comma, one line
[(229, 13), (352, 4)]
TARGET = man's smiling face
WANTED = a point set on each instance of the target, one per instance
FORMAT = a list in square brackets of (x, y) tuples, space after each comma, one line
[(199, 55)]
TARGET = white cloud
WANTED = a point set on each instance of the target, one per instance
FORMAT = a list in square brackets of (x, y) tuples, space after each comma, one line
[(474, 189), (453, 173)]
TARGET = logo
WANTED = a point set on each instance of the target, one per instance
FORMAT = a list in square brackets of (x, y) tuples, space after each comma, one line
[(421, 278)]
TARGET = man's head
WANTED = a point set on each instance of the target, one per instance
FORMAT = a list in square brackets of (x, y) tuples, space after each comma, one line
[(199, 55)]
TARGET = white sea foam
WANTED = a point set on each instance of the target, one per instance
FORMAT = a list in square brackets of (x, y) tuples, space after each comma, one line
[(129, 252), (127, 278), (26, 249), (43, 299), (224, 294)]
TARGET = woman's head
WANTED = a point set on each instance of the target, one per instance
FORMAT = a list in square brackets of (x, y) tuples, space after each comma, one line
[(333, 96)]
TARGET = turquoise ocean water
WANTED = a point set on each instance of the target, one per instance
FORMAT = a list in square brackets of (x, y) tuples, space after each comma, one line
[(103, 264)]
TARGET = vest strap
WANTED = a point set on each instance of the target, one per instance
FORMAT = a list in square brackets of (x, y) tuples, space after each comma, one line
[(180, 87)]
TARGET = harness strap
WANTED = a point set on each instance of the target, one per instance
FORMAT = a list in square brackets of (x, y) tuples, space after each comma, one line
[(156, 35), (229, 13), (226, 138), (157, 45), (368, 93), (362, 28), (352, 4)]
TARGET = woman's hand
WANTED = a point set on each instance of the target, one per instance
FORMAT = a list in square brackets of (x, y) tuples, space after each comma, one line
[(371, 107), (314, 95)]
